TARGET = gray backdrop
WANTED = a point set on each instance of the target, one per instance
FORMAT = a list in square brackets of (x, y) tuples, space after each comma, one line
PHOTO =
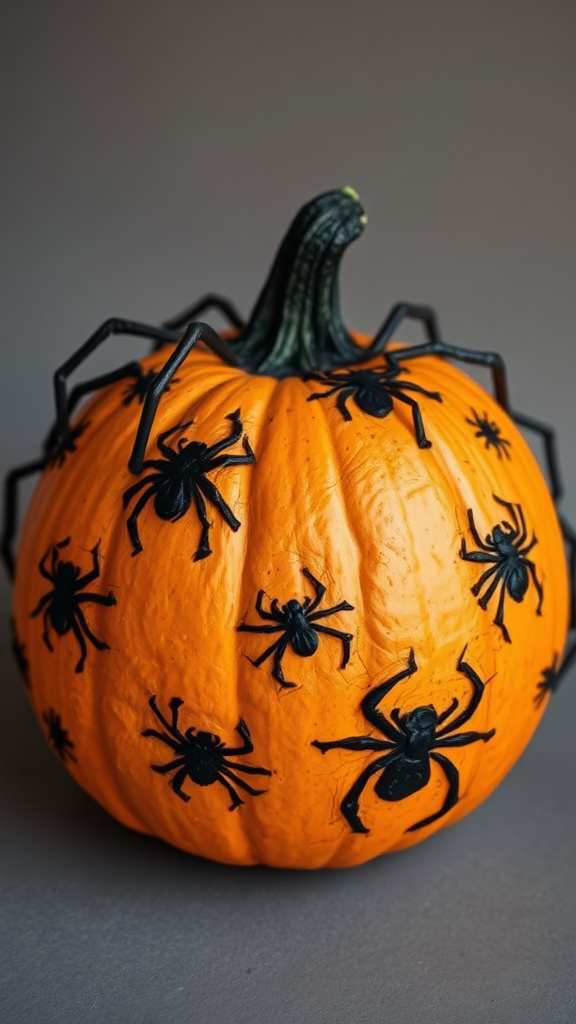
[(153, 151)]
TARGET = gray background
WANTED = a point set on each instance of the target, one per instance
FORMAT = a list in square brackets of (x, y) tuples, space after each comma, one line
[(151, 152)]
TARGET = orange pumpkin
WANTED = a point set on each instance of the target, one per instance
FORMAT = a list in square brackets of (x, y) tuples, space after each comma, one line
[(320, 617)]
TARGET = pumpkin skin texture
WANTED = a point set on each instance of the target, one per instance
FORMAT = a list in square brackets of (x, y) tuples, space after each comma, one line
[(382, 523)]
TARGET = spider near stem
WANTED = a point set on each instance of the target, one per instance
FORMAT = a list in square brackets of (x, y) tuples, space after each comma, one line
[(297, 622), (505, 550)]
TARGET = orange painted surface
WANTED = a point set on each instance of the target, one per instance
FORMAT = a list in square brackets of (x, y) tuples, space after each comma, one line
[(378, 521)]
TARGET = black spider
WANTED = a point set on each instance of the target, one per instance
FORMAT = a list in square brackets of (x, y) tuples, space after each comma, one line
[(60, 607), (506, 549), (19, 652), (548, 683), (374, 392), (58, 736), (201, 757), (490, 432), (57, 450), (140, 385), (412, 741), (179, 479), (297, 622)]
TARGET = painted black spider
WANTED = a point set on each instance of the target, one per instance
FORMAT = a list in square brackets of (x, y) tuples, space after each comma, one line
[(297, 622), (179, 479), (374, 392), (490, 432), (60, 607), (201, 757), (506, 549), (58, 736), (548, 683), (140, 385), (19, 652), (412, 741)]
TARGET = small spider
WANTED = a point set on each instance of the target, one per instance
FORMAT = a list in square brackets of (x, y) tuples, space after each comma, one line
[(374, 392), (548, 683), (490, 433), (60, 607), (179, 479), (201, 757), (140, 386), (297, 622), (412, 741), (57, 450), (19, 652), (506, 549), (58, 736)]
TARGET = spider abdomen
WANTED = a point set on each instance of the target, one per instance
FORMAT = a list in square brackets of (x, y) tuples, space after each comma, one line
[(374, 401), (402, 778), (173, 499), (517, 581), (304, 642)]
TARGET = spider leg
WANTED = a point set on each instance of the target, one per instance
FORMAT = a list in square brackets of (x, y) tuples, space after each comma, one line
[(42, 603), (211, 492), (421, 438), (499, 617), (484, 579), (132, 521), (346, 639), (132, 369), (100, 645), (162, 736), (349, 805), (498, 578), (451, 799), (203, 549), (259, 629), (175, 704), (475, 698), (165, 449), (319, 591), (234, 460), (81, 643), (277, 672), (446, 714), (464, 738), (42, 565), (11, 509), (345, 394), (518, 521), (324, 394), (163, 769), (474, 532), (525, 550), (569, 536), (226, 770), (247, 746), (234, 435), (537, 583), (210, 301), (178, 781), (107, 599), (272, 614), (236, 800), (342, 607), (266, 654), (151, 478), (94, 572), (248, 768), (476, 556), (353, 743), (373, 698), (399, 385), (46, 633), (549, 437)]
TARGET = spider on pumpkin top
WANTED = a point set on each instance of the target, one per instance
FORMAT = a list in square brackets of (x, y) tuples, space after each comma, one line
[(505, 549), (374, 392), (297, 622), (412, 741), (179, 479)]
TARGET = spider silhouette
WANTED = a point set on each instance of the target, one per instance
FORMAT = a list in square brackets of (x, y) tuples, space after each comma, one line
[(548, 683), (56, 450), (58, 736), (140, 385), (374, 392), (490, 433), (19, 652), (412, 742), (179, 479), (61, 606), (202, 757), (505, 549), (297, 622)]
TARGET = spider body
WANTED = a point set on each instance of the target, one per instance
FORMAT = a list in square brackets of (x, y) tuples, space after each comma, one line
[(61, 607), (489, 432), (58, 736), (374, 392), (411, 743), (202, 757), (178, 480), (505, 550), (297, 623)]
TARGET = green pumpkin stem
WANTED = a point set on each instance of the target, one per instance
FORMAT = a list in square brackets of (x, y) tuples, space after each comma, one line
[(296, 325)]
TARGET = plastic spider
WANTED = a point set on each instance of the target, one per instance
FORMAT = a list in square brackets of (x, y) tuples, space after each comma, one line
[(506, 550), (548, 683), (412, 741), (19, 652), (490, 433), (201, 757), (179, 479), (297, 622), (374, 392), (58, 736), (140, 385), (61, 606)]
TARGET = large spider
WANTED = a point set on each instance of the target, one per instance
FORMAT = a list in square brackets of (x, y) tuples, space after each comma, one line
[(179, 479), (297, 622), (61, 606), (412, 741), (374, 392), (58, 736), (506, 550), (490, 432), (202, 757)]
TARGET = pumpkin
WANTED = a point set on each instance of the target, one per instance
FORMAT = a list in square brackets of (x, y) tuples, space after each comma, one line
[(315, 613)]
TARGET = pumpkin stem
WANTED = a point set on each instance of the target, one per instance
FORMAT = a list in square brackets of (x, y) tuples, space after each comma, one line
[(296, 324)]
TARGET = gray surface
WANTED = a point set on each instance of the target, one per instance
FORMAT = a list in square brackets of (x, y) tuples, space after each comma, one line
[(152, 152)]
